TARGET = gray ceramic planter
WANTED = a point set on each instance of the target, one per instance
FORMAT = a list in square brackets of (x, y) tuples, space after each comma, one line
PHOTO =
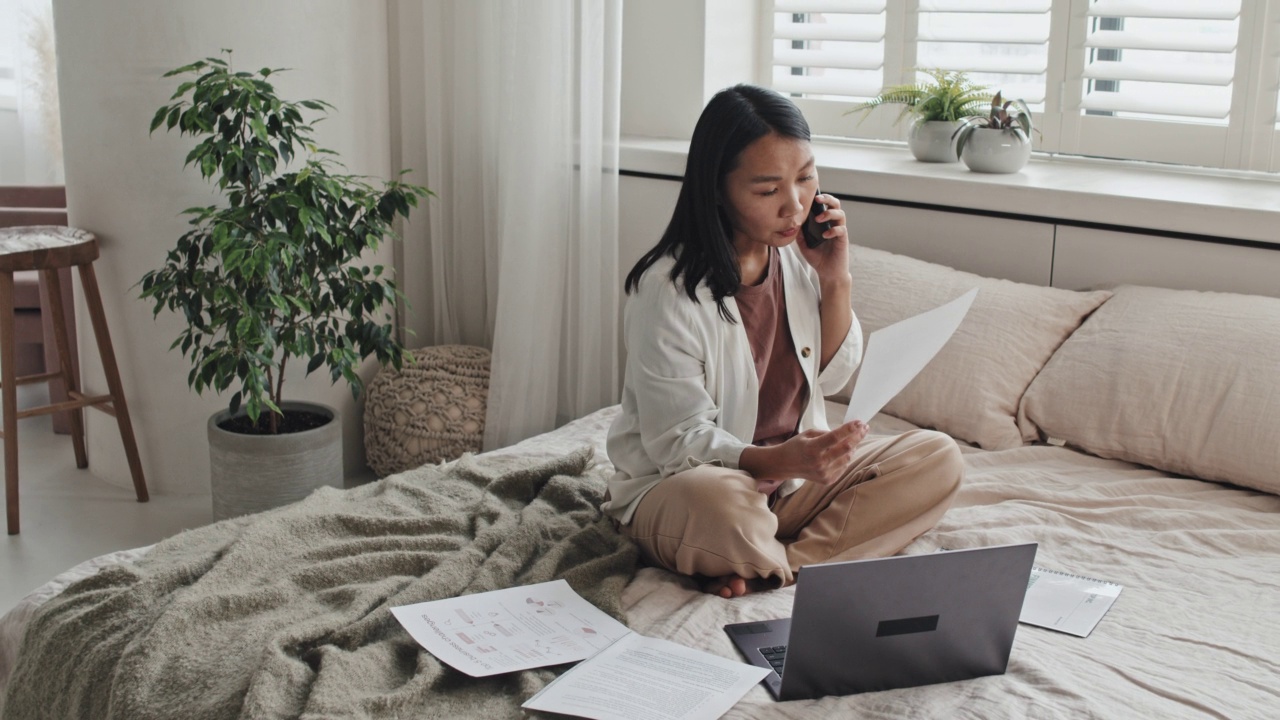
[(932, 141), (252, 473), (996, 151)]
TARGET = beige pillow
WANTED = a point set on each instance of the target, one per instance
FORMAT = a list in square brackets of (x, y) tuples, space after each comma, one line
[(971, 389), (1185, 381)]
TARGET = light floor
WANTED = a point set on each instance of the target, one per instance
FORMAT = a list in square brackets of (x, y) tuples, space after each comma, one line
[(69, 516)]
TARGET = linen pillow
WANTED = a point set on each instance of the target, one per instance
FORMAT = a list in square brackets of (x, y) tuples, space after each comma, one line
[(1184, 381), (972, 388)]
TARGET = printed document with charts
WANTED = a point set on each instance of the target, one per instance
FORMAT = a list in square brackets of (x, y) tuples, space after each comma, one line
[(549, 624), (1066, 603)]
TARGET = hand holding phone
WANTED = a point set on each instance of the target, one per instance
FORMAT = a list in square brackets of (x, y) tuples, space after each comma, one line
[(812, 228)]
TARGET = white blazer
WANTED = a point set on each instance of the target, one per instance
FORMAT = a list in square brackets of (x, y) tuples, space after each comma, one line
[(690, 390)]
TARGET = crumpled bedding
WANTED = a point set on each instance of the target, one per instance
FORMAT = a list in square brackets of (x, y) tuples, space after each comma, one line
[(1194, 634), (285, 614)]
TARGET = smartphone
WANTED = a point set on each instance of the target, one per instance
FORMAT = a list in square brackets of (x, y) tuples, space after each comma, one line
[(812, 228)]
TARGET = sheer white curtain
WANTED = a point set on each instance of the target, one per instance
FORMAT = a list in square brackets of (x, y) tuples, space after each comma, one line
[(30, 131), (521, 124)]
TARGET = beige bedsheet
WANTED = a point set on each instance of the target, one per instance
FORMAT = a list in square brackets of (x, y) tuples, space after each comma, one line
[(1196, 632)]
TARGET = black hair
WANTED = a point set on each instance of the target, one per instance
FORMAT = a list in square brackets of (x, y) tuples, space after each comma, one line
[(699, 235)]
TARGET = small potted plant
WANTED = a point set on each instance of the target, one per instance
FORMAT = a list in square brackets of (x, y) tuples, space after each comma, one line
[(998, 142), (936, 106), (270, 275)]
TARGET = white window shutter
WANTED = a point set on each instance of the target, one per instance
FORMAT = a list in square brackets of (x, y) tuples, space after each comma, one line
[(1194, 82), (1171, 59), (828, 48), (1003, 44), (1160, 80)]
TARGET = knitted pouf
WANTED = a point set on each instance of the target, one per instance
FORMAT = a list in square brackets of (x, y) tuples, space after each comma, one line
[(426, 412)]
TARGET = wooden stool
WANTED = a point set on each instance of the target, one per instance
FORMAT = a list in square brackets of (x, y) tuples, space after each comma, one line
[(48, 248)]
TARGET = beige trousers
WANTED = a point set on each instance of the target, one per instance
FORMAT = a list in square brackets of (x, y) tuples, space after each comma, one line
[(711, 521)]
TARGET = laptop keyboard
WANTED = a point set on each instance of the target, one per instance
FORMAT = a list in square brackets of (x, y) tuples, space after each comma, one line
[(776, 655)]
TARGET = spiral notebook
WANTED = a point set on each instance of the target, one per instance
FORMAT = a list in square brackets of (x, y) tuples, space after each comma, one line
[(1067, 603)]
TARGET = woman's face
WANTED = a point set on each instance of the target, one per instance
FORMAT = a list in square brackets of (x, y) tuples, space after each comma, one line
[(767, 196)]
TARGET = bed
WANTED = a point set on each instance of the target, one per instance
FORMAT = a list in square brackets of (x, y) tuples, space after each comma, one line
[(1131, 432)]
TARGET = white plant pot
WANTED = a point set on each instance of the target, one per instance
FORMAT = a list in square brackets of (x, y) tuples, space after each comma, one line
[(252, 473), (990, 150), (931, 141)]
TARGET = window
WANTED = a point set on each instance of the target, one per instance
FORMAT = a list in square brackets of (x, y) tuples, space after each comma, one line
[(1177, 81)]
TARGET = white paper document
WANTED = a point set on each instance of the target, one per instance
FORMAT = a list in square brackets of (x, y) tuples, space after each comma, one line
[(1066, 603), (513, 629), (643, 678), (897, 353)]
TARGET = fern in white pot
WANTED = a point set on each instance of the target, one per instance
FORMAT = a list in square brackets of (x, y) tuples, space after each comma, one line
[(936, 107)]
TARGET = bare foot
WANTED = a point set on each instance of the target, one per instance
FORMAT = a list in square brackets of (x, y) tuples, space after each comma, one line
[(729, 586)]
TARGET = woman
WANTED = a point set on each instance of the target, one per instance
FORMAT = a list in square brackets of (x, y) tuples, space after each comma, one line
[(734, 331)]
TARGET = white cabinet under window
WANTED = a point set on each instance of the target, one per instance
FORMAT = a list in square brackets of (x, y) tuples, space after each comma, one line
[(1065, 256), (1015, 250), (1086, 258)]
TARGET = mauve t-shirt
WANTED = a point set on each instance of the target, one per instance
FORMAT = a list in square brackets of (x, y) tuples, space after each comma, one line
[(783, 390)]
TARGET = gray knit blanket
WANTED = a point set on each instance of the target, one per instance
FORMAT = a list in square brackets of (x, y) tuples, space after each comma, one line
[(285, 614)]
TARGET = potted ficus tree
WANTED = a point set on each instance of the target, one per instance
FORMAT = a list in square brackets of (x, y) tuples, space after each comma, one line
[(273, 275), (998, 142), (936, 107)]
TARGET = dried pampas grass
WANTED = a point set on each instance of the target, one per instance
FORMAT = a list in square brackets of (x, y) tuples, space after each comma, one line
[(42, 81)]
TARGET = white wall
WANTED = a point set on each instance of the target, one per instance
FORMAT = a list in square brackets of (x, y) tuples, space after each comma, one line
[(676, 54), (128, 188)]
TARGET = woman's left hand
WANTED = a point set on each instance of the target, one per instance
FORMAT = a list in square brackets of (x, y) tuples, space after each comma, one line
[(831, 258)]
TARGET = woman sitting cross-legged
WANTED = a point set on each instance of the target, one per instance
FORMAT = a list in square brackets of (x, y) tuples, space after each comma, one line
[(726, 467)]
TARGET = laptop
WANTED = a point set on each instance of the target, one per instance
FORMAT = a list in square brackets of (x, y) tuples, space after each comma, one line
[(902, 621)]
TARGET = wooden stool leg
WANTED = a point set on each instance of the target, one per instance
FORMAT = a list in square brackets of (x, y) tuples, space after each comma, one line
[(8, 379), (93, 301), (69, 382)]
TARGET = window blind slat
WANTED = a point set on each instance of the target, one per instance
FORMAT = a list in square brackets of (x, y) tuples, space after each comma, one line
[(986, 6), (872, 58), (1030, 93), (1176, 106), (1203, 74), (990, 34), (1171, 9), (869, 32), (1133, 40), (819, 85), (856, 7), (1012, 65)]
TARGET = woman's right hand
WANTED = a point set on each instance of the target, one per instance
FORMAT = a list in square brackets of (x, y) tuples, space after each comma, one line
[(815, 455)]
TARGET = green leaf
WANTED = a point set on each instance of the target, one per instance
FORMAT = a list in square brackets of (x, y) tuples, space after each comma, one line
[(185, 69), (182, 89), (158, 118), (259, 129)]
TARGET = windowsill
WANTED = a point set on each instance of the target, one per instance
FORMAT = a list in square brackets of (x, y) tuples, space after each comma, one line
[(1138, 196)]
